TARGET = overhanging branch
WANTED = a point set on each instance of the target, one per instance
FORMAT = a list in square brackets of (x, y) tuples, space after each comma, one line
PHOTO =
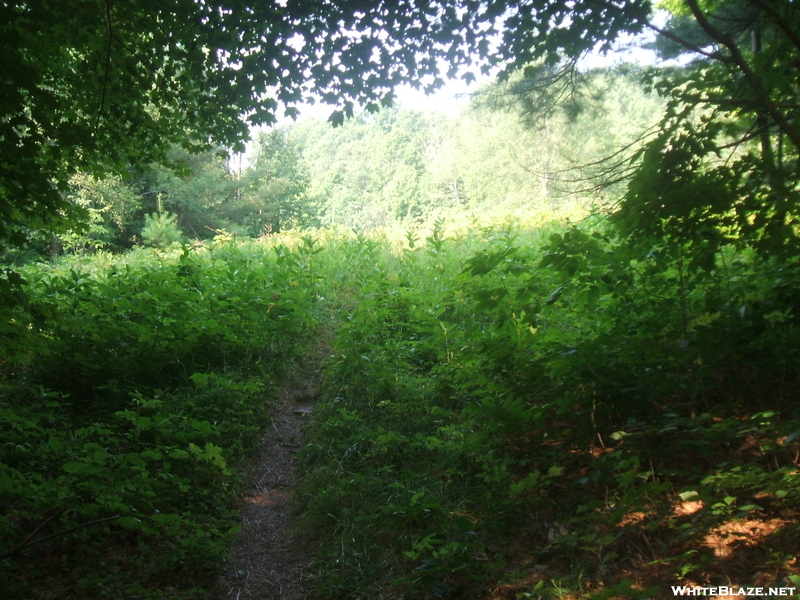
[(752, 77)]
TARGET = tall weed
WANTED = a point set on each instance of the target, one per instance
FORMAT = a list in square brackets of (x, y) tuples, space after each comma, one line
[(504, 398), (125, 419)]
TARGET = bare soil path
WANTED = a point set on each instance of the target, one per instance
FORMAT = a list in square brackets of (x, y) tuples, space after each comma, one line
[(266, 561)]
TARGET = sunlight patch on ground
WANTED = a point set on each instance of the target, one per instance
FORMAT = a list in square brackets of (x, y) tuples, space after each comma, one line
[(725, 539), (268, 498)]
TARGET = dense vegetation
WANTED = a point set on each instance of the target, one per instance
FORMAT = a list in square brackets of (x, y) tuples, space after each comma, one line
[(574, 374), (129, 402), (394, 169), (524, 410), (521, 413)]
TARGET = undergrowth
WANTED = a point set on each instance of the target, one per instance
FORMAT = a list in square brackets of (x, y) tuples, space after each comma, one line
[(506, 413), (516, 414), (132, 389)]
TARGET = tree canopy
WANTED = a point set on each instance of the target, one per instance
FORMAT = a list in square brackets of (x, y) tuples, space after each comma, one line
[(96, 86), (723, 167)]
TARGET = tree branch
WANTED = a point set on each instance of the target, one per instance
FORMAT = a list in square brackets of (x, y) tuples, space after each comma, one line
[(752, 78), (108, 68), (667, 34), (780, 21), (27, 543)]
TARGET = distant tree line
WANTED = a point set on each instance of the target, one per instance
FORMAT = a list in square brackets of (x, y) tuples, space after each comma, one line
[(402, 167), (393, 167)]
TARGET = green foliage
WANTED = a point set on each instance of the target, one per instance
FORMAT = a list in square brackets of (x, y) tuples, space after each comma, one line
[(492, 399), (723, 168), (183, 73), (347, 56), (581, 127), (148, 476), (126, 414), (276, 187), (482, 385), (576, 393), (199, 188), (369, 172), (161, 230), (400, 167), (111, 205), (210, 193)]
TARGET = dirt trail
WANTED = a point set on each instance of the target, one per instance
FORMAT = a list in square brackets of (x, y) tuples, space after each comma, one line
[(266, 562)]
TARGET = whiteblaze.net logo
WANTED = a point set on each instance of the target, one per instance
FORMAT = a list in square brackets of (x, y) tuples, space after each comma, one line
[(682, 590)]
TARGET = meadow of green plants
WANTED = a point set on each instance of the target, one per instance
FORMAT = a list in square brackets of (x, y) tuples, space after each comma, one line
[(534, 413), (132, 389), (508, 412), (574, 375)]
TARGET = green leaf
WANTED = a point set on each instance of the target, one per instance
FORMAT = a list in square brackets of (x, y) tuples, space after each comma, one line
[(130, 522), (80, 468), (528, 482), (556, 294), (6, 484)]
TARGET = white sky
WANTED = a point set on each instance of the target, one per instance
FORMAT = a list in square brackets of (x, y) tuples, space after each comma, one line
[(449, 99), (454, 95)]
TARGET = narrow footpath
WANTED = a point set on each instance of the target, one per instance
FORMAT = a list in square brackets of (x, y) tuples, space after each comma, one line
[(266, 562)]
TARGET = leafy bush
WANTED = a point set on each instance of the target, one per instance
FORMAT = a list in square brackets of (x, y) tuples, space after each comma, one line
[(125, 415), (506, 398), (161, 230), (501, 400)]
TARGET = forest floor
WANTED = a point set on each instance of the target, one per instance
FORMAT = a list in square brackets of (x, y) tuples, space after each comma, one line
[(267, 560)]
